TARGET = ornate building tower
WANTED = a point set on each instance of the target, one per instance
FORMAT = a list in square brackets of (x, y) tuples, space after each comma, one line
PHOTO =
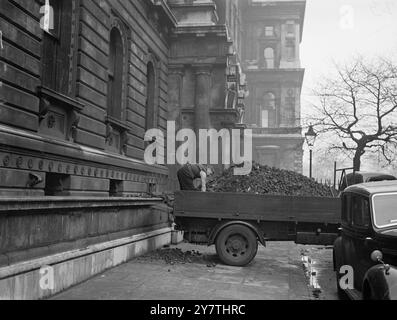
[(273, 33)]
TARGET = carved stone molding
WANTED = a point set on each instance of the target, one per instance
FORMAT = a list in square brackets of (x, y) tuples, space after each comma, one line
[(74, 122), (50, 101), (44, 108)]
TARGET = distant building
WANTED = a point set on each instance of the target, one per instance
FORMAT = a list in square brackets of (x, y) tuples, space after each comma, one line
[(270, 59)]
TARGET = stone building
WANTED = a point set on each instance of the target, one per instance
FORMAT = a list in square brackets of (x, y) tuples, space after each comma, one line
[(270, 59), (81, 83), (78, 94)]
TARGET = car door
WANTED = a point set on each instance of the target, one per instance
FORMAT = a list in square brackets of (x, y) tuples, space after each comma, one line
[(347, 233), (361, 241)]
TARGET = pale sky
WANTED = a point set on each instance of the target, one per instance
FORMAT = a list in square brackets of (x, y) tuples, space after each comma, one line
[(338, 30)]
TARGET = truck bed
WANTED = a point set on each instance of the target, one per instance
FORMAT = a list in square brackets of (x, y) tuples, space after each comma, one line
[(246, 206)]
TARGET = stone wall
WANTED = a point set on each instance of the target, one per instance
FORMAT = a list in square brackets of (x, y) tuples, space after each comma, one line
[(61, 139), (78, 92)]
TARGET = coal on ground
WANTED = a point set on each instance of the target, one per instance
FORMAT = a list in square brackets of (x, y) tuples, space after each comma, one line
[(178, 256)]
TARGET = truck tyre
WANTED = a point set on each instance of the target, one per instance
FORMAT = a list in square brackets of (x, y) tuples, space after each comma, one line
[(236, 245)]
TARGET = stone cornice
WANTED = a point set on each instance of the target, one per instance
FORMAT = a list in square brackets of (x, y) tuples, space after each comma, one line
[(29, 141), (166, 10), (202, 30), (278, 10)]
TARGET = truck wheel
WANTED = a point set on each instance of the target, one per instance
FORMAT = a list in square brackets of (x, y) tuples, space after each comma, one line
[(236, 245)]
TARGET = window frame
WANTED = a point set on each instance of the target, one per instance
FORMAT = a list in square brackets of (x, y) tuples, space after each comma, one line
[(117, 24), (267, 59), (271, 27), (392, 225), (54, 41), (346, 216), (152, 59), (116, 126)]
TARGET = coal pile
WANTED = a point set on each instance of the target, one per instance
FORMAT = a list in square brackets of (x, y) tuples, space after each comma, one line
[(267, 180)]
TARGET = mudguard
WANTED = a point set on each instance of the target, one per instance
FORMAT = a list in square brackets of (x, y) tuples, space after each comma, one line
[(338, 254), (379, 284), (215, 231)]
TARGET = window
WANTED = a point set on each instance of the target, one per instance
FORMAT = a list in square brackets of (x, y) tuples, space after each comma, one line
[(346, 209), (115, 72), (151, 97), (270, 101), (269, 31), (265, 119), (269, 58), (57, 23), (360, 211), (290, 29), (290, 50), (289, 111), (116, 127), (384, 207), (267, 112)]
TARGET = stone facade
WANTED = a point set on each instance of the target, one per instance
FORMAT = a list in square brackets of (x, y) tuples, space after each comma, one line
[(76, 99), (80, 89), (272, 35), (83, 80)]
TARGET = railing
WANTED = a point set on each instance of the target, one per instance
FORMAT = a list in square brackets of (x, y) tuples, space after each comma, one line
[(343, 177)]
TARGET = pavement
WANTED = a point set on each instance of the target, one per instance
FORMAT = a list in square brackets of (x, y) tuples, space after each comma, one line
[(280, 271)]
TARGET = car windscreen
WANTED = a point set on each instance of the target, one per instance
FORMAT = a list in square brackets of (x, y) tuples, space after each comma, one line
[(385, 209)]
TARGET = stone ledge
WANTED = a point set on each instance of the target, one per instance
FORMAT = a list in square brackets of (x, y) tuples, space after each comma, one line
[(22, 281), (25, 140), (51, 203)]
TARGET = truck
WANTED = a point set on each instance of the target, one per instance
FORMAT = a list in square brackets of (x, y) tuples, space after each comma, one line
[(236, 222), (365, 253)]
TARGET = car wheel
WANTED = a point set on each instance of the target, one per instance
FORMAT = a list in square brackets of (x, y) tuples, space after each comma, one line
[(236, 245)]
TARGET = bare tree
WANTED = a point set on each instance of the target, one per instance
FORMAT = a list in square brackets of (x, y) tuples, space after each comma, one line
[(359, 107)]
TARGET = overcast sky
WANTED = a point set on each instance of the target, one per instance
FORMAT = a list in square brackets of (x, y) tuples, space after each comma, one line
[(336, 31), (339, 29)]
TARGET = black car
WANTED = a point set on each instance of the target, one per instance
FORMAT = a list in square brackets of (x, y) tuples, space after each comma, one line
[(367, 245)]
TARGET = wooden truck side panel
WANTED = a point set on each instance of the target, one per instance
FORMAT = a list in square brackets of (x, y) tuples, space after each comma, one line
[(244, 206), (305, 220)]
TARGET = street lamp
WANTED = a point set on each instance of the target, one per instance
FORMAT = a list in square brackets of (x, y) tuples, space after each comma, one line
[(310, 139)]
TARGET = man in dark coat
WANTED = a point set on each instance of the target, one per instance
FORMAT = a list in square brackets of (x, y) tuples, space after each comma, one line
[(189, 172)]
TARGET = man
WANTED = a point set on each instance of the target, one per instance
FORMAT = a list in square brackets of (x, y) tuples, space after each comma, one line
[(189, 172)]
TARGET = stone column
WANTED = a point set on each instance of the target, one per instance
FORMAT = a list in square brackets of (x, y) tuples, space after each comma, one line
[(203, 97), (175, 87)]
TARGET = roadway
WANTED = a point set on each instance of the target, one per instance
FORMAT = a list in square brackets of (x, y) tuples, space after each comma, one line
[(280, 271)]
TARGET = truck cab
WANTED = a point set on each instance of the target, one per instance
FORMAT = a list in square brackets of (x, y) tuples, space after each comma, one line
[(367, 245)]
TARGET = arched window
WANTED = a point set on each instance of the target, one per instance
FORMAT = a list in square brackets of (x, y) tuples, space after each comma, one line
[(116, 59), (151, 97), (269, 58), (270, 100), (268, 110)]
